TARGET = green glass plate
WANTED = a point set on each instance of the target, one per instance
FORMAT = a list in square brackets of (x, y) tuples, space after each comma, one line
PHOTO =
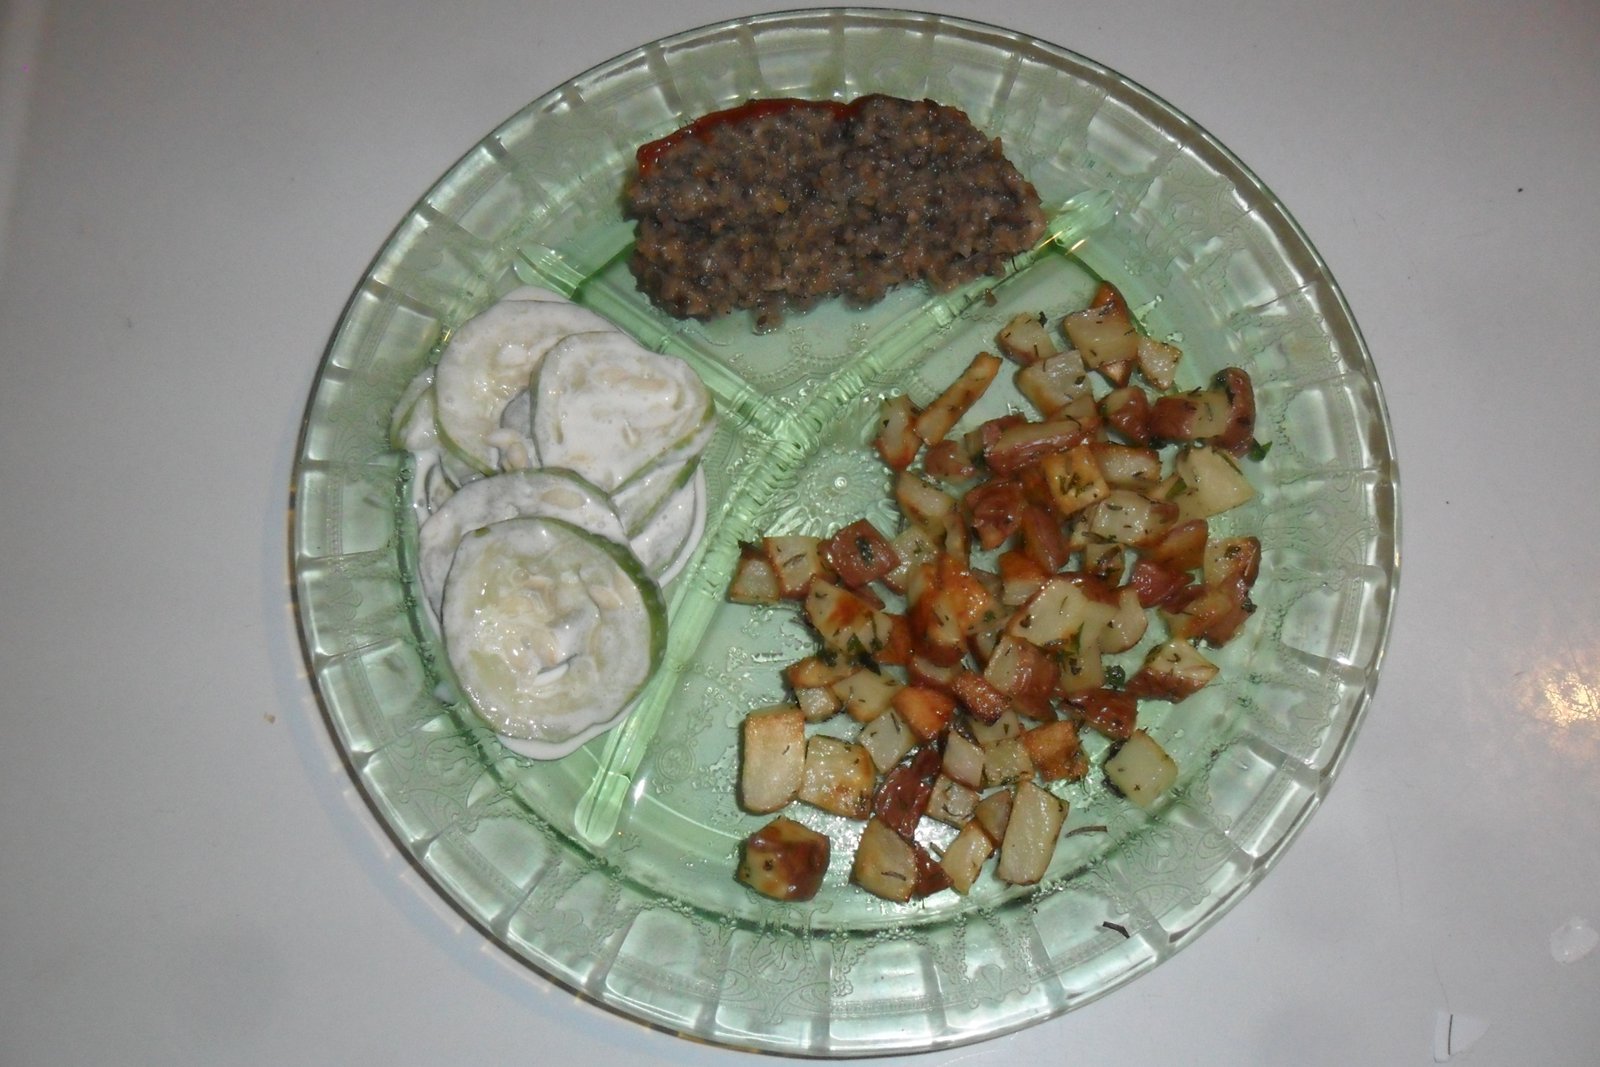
[(611, 870)]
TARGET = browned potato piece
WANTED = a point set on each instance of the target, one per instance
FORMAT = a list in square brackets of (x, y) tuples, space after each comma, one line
[(1007, 762), (903, 795), (993, 813), (841, 618), (1128, 466), (965, 857), (755, 580), (784, 860), (1211, 483), (1054, 383), (940, 416), (926, 711), (866, 694), (1127, 410), (1060, 611), (1074, 479), (926, 506), (1055, 751), (897, 441), (1239, 438), (886, 739), (1018, 446), (1031, 835), (797, 561), (1172, 670), (823, 670), (838, 776), (1141, 769), (1129, 518), (818, 704), (885, 864), (1127, 627), (772, 761), (951, 802), (1158, 362), (1197, 416), (1104, 333), (1025, 339), (963, 759)]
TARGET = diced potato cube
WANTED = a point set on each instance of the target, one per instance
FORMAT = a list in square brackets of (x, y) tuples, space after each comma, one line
[(1158, 362), (981, 699), (797, 561), (937, 419), (817, 703), (990, 734), (935, 622), (772, 761), (1031, 835), (963, 860), (1082, 668), (1127, 627), (1025, 339), (1074, 479), (1110, 712), (866, 694), (951, 802), (1055, 751), (1028, 443), (1172, 671), (963, 759), (859, 554), (784, 860), (926, 711), (885, 864), (1141, 769), (842, 619), (897, 441), (1060, 611), (925, 505), (755, 580), (1104, 333), (838, 776), (1006, 762), (912, 547), (819, 670), (1019, 669), (887, 739), (903, 795), (1128, 466), (994, 812), (1197, 416), (1130, 518), (1211, 483), (1053, 383)]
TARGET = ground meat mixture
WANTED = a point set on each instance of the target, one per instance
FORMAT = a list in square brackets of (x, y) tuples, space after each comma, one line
[(781, 203)]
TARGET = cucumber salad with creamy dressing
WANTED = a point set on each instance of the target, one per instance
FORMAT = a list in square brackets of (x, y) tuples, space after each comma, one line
[(557, 487)]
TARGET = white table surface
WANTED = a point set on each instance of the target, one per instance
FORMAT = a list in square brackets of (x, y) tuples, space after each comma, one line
[(192, 190)]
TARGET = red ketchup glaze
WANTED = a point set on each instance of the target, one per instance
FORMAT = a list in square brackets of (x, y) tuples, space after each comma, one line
[(704, 126)]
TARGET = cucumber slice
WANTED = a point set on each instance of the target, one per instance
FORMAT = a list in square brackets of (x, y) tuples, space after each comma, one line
[(552, 631), (489, 361), (518, 495), (639, 502), (609, 409), (665, 543)]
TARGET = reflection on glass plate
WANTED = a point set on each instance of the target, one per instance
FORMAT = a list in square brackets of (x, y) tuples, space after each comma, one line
[(611, 870)]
